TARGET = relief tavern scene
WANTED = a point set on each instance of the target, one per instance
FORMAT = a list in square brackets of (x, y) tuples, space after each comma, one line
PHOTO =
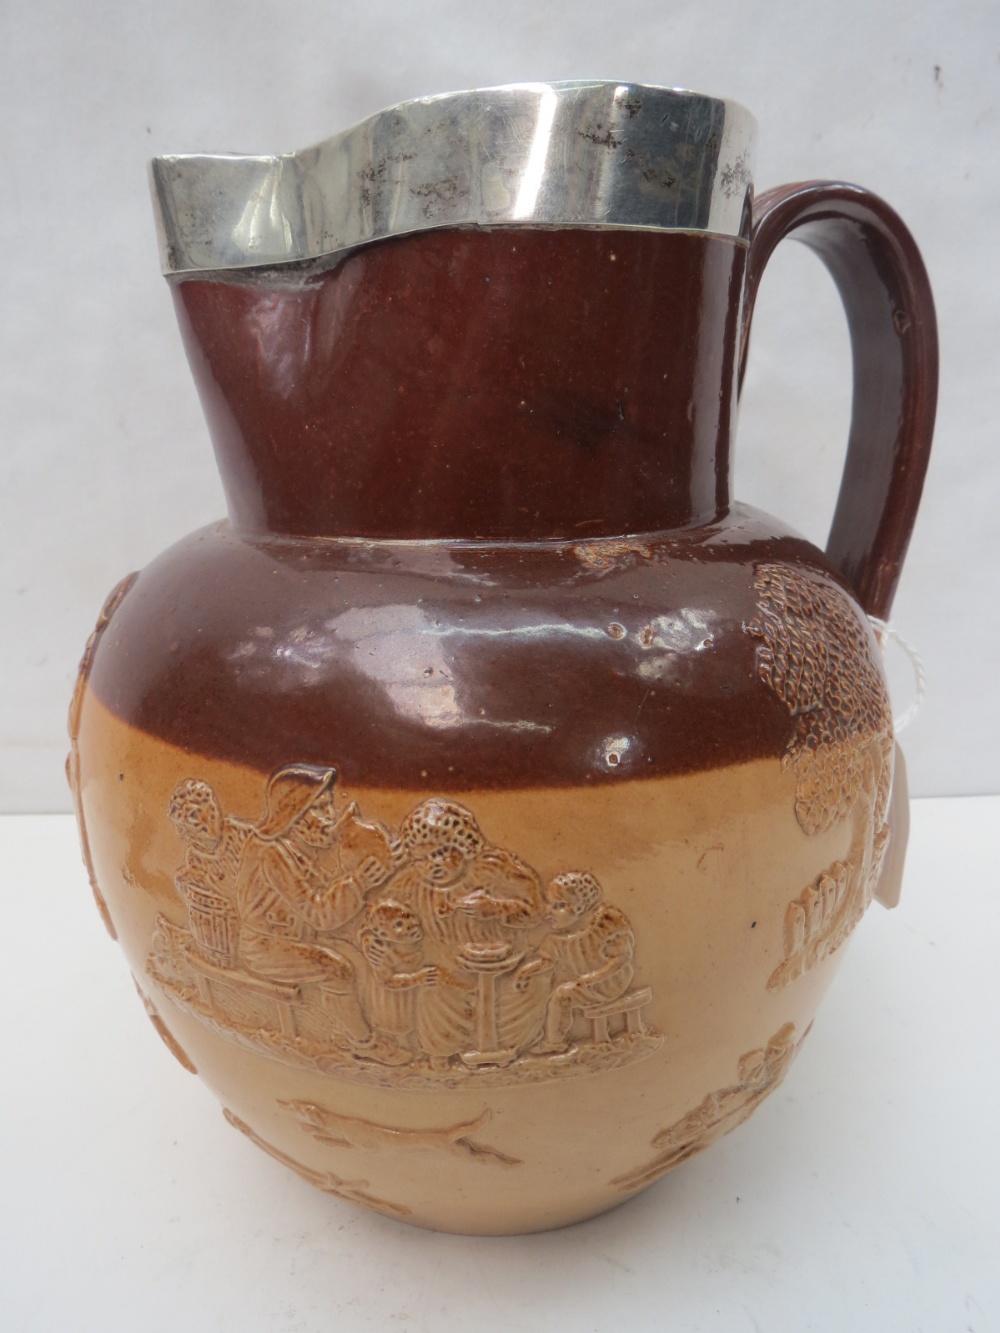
[(418, 957)]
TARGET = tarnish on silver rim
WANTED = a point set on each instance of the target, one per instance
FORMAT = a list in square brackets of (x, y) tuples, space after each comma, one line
[(572, 154)]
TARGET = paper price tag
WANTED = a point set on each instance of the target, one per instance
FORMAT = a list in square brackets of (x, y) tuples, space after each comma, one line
[(890, 881)]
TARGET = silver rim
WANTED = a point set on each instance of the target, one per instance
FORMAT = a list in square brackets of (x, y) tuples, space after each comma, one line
[(574, 154)]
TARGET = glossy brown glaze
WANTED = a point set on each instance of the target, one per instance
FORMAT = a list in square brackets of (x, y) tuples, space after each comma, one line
[(507, 384), (463, 665), (887, 298)]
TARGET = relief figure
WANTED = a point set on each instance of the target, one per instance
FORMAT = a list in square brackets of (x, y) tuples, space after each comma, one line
[(290, 906), (391, 939), (213, 849), (474, 901), (588, 954)]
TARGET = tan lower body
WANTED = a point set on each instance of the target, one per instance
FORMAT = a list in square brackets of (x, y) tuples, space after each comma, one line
[(501, 1134)]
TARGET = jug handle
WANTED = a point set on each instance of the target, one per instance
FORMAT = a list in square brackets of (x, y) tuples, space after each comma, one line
[(883, 284)]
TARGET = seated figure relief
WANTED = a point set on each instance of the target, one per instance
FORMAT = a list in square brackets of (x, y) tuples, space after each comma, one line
[(414, 957)]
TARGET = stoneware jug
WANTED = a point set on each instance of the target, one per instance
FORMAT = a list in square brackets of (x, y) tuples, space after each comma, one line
[(482, 807)]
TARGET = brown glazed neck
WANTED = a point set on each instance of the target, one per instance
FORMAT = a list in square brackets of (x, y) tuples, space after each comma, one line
[(510, 384)]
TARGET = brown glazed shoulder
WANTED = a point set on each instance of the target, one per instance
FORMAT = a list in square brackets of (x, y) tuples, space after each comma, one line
[(456, 665)]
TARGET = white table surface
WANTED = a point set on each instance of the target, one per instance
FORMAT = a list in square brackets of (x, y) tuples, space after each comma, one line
[(864, 1194)]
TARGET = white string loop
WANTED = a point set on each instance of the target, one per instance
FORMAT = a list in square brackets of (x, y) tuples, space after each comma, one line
[(886, 632)]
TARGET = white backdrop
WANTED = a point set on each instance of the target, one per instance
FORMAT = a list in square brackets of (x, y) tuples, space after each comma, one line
[(105, 458)]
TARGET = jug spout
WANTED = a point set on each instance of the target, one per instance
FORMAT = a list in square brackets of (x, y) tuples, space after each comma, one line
[(448, 323)]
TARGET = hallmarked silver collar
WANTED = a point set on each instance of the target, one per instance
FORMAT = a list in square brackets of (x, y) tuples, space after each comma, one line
[(574, 154)]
